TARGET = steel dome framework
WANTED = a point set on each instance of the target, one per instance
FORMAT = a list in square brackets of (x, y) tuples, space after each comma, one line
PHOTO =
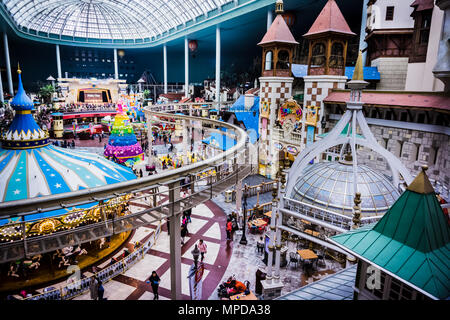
[(127, 20)]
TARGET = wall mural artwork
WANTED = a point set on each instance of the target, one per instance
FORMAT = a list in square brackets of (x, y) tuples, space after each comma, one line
[(289, 116)]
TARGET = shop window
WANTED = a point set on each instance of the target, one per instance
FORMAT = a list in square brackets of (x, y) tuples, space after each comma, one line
[(404, 116), (268, 61), (389, 13), (318, 55), (425, 29), (283, 60), (421, 118), (388, 115), (422, 24), (337, 55)]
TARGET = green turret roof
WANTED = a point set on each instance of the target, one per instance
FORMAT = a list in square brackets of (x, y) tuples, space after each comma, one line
[(411, 242)]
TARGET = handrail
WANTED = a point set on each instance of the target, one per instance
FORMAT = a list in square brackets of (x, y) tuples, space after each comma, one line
[(71, 290), (26, 207)]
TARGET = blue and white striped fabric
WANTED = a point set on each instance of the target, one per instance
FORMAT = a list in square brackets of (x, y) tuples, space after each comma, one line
[(49, 170)]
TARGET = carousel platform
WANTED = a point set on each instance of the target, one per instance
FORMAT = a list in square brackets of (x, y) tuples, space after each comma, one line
[(51, 270)]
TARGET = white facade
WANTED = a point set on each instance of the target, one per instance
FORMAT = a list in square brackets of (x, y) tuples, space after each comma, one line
[(420, 75), (376, 15)]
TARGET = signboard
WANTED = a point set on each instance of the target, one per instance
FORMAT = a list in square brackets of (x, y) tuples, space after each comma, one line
[(196, 281)]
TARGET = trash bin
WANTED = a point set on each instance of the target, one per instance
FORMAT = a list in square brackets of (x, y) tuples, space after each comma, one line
[(228, 196)]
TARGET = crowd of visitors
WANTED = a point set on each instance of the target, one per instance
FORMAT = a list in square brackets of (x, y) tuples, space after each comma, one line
[(83, 107)]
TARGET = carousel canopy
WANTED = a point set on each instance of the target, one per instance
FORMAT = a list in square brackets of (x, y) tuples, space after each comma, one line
[(30, 167)]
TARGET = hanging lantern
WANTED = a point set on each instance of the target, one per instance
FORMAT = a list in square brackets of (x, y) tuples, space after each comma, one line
[(289, 18), (120, 53), (192, 44)]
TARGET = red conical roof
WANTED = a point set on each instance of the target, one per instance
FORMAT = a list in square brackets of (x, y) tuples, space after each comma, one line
[(330, 19), (278, 32)]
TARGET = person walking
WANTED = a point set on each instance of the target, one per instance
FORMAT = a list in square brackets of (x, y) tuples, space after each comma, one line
[(93, 288), (229, 228), (202, 247), (101, 290), (154, 281), (183, 233)]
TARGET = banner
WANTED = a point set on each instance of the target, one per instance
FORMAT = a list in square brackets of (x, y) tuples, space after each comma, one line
[(196, 281)]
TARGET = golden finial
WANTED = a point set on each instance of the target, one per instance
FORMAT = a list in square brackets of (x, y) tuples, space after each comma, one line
[(358, 72), (18, 68), (421, 184), (279, 7)]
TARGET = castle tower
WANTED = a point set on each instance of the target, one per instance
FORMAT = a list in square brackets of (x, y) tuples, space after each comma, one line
[(275, 86), (328, 40)]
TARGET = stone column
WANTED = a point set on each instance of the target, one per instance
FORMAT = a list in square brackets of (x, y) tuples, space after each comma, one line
[(175, 242)]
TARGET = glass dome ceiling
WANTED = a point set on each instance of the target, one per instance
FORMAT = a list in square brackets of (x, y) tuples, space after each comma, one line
[(330, 185), (107, 19)]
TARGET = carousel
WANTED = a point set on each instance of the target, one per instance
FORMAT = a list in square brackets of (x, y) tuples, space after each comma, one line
[(31, 167)]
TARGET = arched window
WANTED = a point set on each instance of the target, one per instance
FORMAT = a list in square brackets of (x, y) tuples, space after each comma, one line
[(337, 55), (283, 60), (268, 60), (318, 55)]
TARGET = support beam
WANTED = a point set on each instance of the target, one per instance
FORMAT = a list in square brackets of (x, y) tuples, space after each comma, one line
[(218, 66), (269, 18), (1, 89), (150, 139), (165, 67), (58, 61), (186, 67), (8, 64), (362, 42), (116, 65), (175, 244)]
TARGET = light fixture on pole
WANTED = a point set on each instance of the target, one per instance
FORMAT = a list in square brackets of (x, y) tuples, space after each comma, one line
[(245, 195)]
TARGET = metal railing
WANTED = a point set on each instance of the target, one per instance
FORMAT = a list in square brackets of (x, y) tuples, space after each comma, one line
[(78, 287), (326, 216), (230, 166)]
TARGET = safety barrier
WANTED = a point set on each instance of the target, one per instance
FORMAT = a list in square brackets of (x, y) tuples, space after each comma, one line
[(74, 289)]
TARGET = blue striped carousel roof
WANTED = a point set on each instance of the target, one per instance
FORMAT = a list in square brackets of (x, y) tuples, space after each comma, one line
[(50, 170), (29, 170)]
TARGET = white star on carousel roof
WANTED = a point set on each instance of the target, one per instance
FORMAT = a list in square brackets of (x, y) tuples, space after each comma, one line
[(52, 175), (17, 191), (58, 185), (17, 180)]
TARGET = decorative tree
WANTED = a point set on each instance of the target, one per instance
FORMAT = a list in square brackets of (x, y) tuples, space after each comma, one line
[(122, 145), (46, 93)]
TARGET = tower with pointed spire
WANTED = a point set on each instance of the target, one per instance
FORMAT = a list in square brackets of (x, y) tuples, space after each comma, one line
[(24, 133), (409, 246), (275, 86), (328, 41)]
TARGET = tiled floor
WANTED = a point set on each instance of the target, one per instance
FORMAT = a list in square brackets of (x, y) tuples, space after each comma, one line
[(223, 259)]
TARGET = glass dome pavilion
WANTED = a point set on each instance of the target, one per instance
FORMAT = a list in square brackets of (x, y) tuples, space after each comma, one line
[(329, 185)]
